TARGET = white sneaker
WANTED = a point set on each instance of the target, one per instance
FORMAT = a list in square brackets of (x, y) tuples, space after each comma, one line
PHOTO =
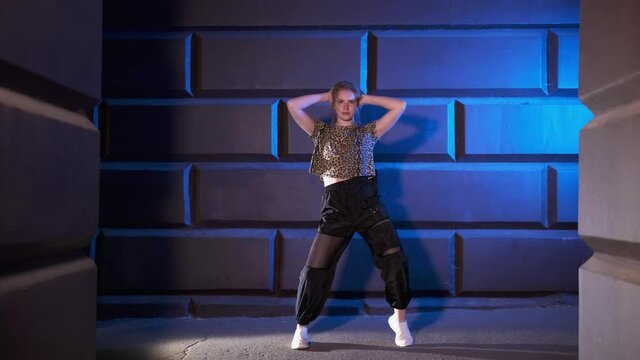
[(301, 339), (403, 335)]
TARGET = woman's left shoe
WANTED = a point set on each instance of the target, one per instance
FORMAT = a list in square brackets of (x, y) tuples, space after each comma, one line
[(301, 339), (403, 335)]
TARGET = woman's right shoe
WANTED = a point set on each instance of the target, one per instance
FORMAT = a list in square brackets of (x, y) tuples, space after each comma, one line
[(403, 335), (301, 339)]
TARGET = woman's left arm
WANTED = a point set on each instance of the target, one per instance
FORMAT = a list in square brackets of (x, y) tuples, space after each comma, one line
[(395, 109)]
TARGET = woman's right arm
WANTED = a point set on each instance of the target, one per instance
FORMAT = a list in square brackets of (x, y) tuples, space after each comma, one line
[(297, 105)]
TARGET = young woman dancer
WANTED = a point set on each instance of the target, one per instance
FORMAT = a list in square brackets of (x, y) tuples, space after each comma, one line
[(343, 158)]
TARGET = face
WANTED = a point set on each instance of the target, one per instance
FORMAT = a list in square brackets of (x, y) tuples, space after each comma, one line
[(345, 105)]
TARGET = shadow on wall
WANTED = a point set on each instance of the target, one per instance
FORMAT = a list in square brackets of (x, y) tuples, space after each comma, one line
[(145, 135), (358, 273)]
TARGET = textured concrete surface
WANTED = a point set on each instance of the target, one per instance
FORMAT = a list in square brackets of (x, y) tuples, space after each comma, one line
[(538, 330), (480, 174), (609, 195)]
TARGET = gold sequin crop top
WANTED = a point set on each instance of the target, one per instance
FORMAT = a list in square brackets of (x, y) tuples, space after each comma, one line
[(343, 151)]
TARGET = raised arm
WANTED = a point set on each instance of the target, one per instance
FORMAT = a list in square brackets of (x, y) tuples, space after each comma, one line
[(297, 105), (395, 109)]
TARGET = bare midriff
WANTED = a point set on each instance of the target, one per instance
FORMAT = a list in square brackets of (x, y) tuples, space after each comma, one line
[(331, 180)]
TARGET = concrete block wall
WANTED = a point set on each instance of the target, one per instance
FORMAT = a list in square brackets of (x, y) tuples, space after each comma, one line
[(610, 180), (50, 62), (205, 184)]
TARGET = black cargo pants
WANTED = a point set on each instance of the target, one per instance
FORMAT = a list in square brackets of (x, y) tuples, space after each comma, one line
[(349, 206)]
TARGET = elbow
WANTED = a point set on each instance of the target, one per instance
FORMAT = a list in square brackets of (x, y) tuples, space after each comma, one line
[(403, 105), (292, 106)]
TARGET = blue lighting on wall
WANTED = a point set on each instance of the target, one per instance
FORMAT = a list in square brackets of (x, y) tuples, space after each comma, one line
[(274, 129), (482, 165), (568, 64), (186, 180), (364, 72), (187, 63), (95, 116)]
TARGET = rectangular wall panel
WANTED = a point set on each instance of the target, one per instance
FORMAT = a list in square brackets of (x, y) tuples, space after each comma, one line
[(146, 66), (191, 129), (463, 193), (426, 250), (567, 192), (294, 251), (523, 127), (258, 195), (426, 131), (49, 311), (568, 64), (521, 260), (461, 62), (59, 41), (144, 197), (48, 178), (299, 144), (170, 260), (237, 62)]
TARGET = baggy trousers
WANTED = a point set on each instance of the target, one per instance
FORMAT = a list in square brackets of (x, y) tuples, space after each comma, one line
[(349, 206)]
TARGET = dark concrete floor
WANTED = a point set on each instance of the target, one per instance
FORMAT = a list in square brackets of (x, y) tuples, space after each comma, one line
[(548, 332)]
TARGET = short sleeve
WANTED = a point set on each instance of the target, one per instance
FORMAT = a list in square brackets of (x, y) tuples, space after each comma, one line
[(318, 128), (370, 129)]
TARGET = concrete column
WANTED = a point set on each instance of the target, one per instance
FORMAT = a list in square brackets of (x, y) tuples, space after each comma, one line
[(609, 199), (50, 61)]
